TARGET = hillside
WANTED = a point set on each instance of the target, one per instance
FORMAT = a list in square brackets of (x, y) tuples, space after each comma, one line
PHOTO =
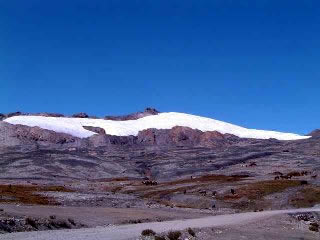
[(164, 161)]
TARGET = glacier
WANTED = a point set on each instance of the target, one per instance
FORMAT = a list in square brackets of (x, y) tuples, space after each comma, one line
[(74, 126)]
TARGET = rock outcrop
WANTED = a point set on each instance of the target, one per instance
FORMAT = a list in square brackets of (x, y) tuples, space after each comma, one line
[(184, 136), (15, 135), (315, 133), (97, 130), (2, 116), (134, 116), (80, 115), (45, 114)]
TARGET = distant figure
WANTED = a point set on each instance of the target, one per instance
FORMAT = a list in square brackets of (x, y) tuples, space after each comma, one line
[(203, 192), (278, 173), (150, 183), (253, 164), (233, 191), (304, 182)]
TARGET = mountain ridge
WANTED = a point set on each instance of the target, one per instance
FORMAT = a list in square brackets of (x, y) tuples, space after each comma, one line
[(134, 123)]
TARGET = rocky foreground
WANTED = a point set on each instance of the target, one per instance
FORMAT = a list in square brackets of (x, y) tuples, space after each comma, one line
[(178, 169)]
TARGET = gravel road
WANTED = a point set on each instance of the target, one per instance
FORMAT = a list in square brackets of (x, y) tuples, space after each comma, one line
[(125, 232)]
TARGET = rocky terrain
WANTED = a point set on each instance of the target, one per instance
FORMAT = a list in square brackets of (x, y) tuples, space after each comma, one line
[(171, 170)]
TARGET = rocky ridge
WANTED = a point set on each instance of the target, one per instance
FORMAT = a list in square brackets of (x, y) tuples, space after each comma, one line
[(15, 135)]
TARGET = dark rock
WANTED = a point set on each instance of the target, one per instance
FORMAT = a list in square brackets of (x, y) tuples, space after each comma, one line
[(315, 133), (134, 116), (303, 216), (14, 114), (152, 111), (147, 136), (95, 129), (2, 116), (50, 114), (80, 115), (183, 136), (253, 164), (304, 182), (314, 227), (11, 135), (203, 192), (39, 134), (105, 140)]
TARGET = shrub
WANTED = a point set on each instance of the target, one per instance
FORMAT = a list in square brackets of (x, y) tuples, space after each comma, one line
[(31, 222), (314, 227), (148, 232), (70, 220), (63, 224), (59, 224), (304, 182), (159, 238), (294, 174), (191, 232), (175, 235)]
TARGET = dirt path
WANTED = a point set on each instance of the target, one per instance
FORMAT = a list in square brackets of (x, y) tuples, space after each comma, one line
[(99, 216), (125, 232)]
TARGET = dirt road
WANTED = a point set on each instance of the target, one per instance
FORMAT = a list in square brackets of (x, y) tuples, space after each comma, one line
[(125, 232), (99, 216)]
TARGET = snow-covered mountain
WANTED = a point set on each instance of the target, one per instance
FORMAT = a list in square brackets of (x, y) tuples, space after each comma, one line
[(74, 126)]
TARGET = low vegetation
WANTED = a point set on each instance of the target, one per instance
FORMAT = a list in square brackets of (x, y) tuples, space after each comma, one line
[(29, 194), (314, 227), (307, 197), (191, 232), (148, 232), (30, 221), (159, 238), (12, 224), (258, 190), (206, 178), (174, 235), (191, 185)]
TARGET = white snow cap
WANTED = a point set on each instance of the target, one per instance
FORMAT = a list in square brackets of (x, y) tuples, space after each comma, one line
[(74, 126)]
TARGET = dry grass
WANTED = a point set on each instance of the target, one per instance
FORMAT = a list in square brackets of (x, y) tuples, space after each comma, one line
[(258, 190), (28, 194), (307, 197), (160, 189), (165, 192), (118, 179), (205, 179), (162, 192)]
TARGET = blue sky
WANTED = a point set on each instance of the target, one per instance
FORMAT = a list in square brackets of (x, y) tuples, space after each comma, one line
[(251, 63)]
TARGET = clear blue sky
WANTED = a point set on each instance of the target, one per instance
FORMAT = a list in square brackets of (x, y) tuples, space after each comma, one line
[(251, 63)]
